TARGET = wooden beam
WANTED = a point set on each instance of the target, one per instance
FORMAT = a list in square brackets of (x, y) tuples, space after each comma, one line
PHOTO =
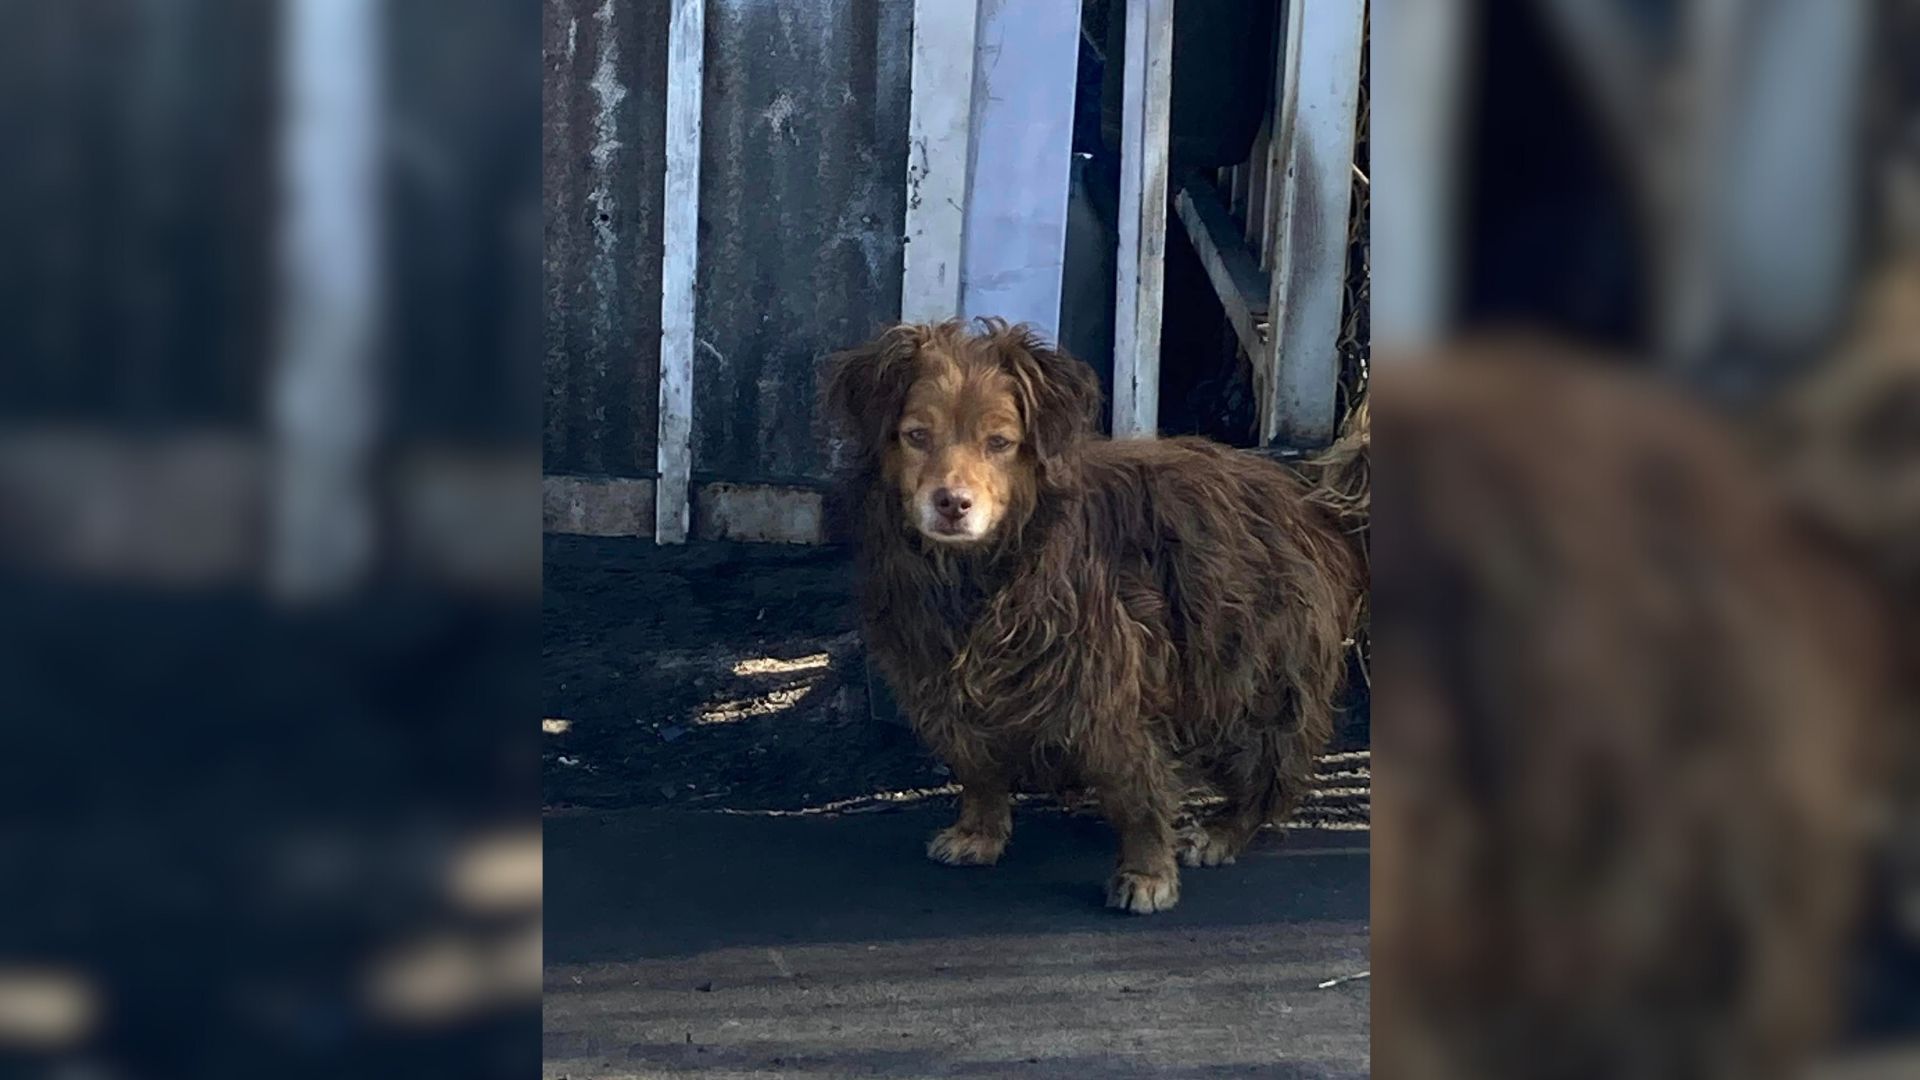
[(1314, 131), (621, 506), (597, 506), (939, 132), (1022, 142), (1231, 265), (324, 392), (1147, 81), (1421, 76), (679, 263)]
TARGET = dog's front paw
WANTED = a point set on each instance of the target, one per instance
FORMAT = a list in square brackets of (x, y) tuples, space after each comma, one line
[(956, 846), (1143, 893), (1202, 845)]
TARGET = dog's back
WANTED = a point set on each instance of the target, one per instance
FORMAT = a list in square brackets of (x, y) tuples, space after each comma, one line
[(1259, 586)]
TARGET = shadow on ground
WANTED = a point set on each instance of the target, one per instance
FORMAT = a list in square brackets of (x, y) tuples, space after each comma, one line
[(829, 946)]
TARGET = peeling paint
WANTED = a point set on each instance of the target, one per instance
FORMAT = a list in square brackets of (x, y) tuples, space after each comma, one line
[(802, 191), (779, 114), (608, 93)]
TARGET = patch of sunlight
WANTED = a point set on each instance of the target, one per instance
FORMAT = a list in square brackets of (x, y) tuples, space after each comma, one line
[(767, 665), (44, 1009), (446, 976), (553, 725), (498, 872), (730, 712), (1338, 793)]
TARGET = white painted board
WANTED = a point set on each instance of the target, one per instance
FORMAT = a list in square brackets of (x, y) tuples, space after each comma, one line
[(680, 231), (1025, 62), (1147, 81), (939, 123)]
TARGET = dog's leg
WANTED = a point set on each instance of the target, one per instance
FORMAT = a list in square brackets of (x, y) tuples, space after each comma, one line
[(986, 820), (1139, 798), (1263, 782), (1220, 837)]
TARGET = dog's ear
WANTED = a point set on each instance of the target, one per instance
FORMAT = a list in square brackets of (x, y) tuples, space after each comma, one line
[(1059, 395), (867, 386)]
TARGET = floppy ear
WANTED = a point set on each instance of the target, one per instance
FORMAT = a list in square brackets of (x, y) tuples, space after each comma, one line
[(866, 386), (1059, 395)]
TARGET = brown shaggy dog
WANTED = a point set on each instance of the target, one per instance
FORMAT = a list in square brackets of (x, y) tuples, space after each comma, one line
[(1618, 758), (1055, 609)]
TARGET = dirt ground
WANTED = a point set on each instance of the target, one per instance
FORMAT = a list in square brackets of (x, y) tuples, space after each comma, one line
[(876, 962), (731, 676), (709, 748), (709, 676)]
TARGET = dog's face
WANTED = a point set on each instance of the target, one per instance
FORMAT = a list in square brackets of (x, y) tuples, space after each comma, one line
[(966, 429)]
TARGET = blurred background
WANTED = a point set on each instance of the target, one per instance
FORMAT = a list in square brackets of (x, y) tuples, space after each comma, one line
[(1646, 509), (269, 537)]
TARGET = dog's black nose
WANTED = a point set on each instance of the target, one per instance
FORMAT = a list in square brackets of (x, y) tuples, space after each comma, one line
[(953, 503)]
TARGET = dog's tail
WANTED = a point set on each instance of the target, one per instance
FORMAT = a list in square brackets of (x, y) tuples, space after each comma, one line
[(1340, 478)]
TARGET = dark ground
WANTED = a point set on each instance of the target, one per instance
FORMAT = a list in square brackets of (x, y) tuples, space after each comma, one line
[(736, 884), (747, 945), (731, 676), (641, 642)]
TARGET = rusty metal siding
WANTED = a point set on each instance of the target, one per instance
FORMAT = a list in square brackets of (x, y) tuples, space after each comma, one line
[(461, 101), (136, 210), (802, 206), (604, 127)]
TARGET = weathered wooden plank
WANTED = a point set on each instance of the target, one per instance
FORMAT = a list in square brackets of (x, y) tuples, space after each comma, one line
[(686, 49), (1279, 125), (618, 506), (1147, 74), (1250, 194), (1231, 265), (1420, 72), (759, 513), (1314, 131), (939, 133), (596, 506), (1016, 220), (1792, 176), (325, 390)]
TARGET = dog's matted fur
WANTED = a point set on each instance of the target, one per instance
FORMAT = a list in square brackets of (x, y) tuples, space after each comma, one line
[(1059, 610)]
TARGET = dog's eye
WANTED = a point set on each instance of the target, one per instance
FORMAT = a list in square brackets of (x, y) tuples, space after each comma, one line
[(999, 444), (917, 438)]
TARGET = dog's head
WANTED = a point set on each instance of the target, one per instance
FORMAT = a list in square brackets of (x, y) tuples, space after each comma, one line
[(968, 426)]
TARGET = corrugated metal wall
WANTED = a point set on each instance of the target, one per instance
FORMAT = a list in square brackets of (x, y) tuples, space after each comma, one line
[(802, 203), (154, 301), (144, 302)]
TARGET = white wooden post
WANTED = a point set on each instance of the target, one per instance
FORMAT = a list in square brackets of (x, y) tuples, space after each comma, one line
[(1315, 133), (939, 114), (1147, 82), (1420, 78), (1016, 223), (324, 393), (1794, 173), (680, 235)]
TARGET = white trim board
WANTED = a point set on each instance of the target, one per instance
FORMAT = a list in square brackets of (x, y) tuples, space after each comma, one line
[(1315, 127), (1147, 81), (679, 263), (621, 506), (324, 387), (1024, 81), (939, 134)]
